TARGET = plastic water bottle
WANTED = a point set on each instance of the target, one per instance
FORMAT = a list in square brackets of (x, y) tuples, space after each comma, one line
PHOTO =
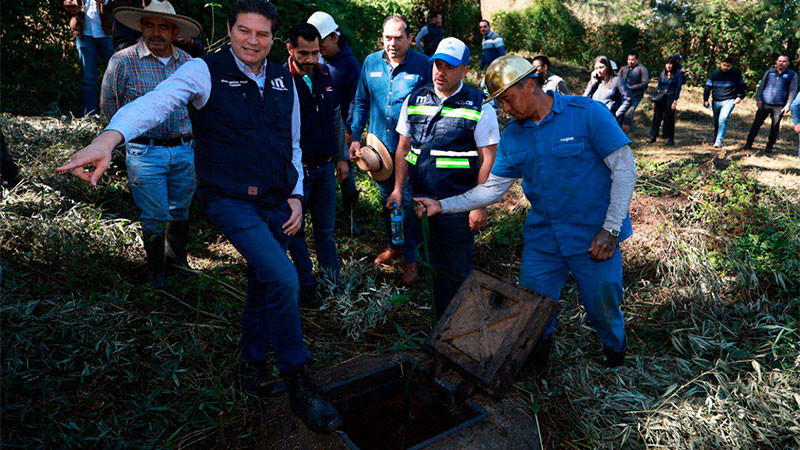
[(397, 225)]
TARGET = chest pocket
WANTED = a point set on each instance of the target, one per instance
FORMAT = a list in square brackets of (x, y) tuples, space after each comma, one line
[(418, 125), (570, 159)]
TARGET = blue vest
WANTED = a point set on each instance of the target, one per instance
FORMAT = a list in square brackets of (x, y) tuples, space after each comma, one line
[(777, 86), (317, 117), (243, 139), (443, 160)]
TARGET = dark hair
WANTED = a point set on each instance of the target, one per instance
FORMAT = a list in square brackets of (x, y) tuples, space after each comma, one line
[(635, 54), (304, 30), (261, 7), (432, 15), (487, 23), (676, 66), (602, 59), (727, 60), (398, 18), (544, 60)]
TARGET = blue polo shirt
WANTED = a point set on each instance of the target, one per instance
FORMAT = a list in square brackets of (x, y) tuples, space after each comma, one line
[(381, 92), (560, 161)]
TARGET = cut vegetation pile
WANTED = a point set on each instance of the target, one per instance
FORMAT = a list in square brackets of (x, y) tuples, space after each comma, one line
[(93, 357)]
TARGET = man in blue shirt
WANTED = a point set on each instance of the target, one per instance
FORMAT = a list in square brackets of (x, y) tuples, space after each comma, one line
[(578, 173), (387, 77), (775, 94), (492, 45)]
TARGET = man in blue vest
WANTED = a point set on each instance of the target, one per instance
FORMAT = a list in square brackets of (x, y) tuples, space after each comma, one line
[(387, 77), (430, 35), (578, 173), (246, 121), (322, 138), (774, 96), (447, 145)]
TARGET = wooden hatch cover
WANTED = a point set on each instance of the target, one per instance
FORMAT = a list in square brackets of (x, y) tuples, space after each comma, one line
[(489, 329)]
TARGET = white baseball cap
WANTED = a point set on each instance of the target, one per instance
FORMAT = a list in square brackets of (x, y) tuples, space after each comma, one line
[(324, 23), (452, 51)]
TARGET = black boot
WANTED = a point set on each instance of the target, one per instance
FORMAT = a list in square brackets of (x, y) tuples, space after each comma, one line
[(614, 358), (258, 380), (349, 206), (308, 404), (175, 246), (540, 355), (154, 247)]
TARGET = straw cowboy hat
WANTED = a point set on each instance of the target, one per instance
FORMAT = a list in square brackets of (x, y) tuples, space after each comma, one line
[(132, 18), (375, 159)]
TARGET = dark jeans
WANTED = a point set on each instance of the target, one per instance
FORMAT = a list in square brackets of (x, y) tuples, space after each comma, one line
[(450, 246), (662, 111), (349, 190), (271, 313), (89, 50), (410, 224), (319, 187), (776, 114)]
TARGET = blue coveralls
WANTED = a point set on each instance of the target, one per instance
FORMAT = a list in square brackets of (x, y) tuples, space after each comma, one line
[(560, 161)]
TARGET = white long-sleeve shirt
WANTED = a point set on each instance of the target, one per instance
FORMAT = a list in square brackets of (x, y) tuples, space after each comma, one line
[(623, 181), (191, 83)]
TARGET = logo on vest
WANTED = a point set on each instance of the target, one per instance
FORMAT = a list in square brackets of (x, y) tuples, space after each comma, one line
[(375, 74), (252, 190), (277, 84), (421, 99), (567, 139), (233, 83)]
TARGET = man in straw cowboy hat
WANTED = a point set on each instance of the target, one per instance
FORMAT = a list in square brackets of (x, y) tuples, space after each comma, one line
[(578, 173), (448, 142), (387, 77), (161, 161), (246, 121)]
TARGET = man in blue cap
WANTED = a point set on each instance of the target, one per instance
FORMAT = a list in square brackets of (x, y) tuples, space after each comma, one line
[(447, 145), (578, 172)]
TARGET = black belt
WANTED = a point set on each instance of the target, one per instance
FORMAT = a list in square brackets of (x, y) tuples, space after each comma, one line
[(171, 142), (317, 163)]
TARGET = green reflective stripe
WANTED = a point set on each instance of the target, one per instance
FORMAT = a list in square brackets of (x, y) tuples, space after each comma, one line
[(422, 110), (452, 163), (462, 113), (411, 158)]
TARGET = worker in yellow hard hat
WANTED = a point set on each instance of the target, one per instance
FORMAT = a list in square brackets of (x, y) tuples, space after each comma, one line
[(578, 172)]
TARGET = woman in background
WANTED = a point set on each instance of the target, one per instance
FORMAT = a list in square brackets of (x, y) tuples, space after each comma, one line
[(665, 100), (609, 89)]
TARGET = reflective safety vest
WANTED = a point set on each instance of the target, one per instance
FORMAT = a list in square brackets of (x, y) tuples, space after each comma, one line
[(443, 160)]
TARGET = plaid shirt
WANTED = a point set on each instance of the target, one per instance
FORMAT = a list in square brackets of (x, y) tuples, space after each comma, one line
[(135, 71)]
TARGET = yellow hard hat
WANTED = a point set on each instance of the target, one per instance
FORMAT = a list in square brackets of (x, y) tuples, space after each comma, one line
[(505, 72)]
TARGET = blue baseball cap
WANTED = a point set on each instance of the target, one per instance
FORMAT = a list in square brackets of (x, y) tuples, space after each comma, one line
[(452, 51)]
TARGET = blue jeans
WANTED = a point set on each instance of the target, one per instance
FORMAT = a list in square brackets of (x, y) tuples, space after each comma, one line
[(410, 224), (629, 114), (162, 182), (450, 246), (722, 112), (599, 285), (89, 49), (319, 187), (271, 314)]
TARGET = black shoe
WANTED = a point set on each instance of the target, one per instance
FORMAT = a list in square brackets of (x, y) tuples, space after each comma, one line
[(258, 380), (768, 150), (154, 247), (175, 247), (308, 296), (540, 355), (652, 139), (614, 358), (670, 143), (308, 404), (747, 147)]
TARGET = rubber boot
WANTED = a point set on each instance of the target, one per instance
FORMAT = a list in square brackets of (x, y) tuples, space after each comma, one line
[(154, 247), (258, 380), (351, 225), (614, 358), (540, 355), (175, 246), (308, 404)]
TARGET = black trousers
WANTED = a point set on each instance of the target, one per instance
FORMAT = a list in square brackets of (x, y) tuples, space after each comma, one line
[(776, 113), (662, 111)]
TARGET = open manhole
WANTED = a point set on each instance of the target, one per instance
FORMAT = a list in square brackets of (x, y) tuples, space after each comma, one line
[(393, 408)]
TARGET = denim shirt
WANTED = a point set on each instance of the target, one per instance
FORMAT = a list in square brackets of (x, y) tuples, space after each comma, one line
[(796, 110), (381, 92), (560, 161)]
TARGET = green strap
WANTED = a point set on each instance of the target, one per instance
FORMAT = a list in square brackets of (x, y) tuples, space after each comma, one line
[(411, 158), (428, 110), (452, 163)]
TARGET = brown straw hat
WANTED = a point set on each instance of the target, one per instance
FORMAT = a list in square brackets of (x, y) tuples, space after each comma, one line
[(132, 18), (375, 159)]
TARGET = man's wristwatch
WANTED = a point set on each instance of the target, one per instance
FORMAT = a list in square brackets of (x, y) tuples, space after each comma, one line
[(614, 233)]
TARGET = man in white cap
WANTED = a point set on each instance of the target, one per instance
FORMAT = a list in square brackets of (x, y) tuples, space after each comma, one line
[(161, 161), (447, 145), (345, 71)]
